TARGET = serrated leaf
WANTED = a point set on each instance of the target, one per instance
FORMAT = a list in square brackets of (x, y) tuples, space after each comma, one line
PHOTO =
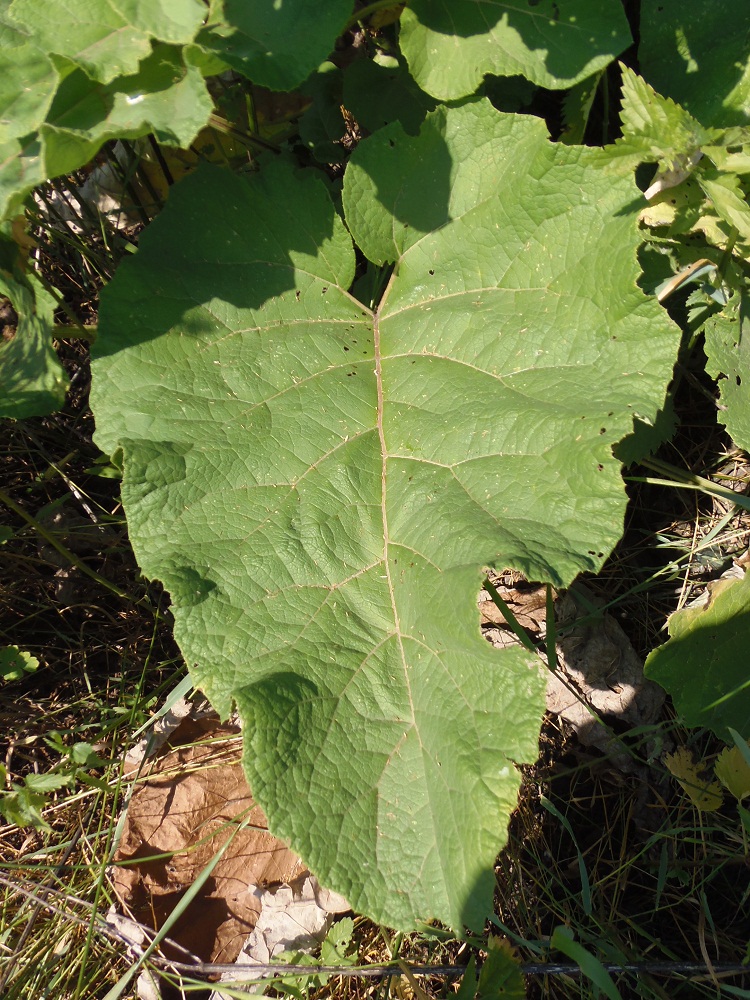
[(107, 38), (47, 782), (728, 199), (319, 485), (698, 784), (727, 348), (32, 380), (276, 45), (703, 666), (501, 977), (655, 129), (165, 98), (450, 46), (698, 55), (381, 90), (733, 771)]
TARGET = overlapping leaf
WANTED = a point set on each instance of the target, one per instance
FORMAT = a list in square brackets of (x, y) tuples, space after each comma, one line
[(276, 45), (319, 485), (703, 665), (106, 39), (451, 44), (697, 54), (728, 351)]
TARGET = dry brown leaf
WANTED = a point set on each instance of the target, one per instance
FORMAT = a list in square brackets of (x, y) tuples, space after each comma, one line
[(180, 815)]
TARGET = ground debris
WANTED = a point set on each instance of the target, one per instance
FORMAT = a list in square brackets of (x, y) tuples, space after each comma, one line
[(598, 671)]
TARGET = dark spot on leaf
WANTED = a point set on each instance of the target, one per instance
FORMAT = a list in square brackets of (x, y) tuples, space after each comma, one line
[(349, 374), (325, 289), (345, 347), (431, 271), (555, 12), (600, 467), (602, 430), (391, 143), (296, 295), (738, 380)]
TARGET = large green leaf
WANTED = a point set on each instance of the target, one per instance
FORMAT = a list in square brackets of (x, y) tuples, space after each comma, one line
[(319, 485), (274, 44), (165, 98), (107, 38), (451, 44), (697, 53), (704, 665)]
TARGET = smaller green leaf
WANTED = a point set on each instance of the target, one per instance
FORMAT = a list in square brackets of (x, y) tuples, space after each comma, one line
[(450, 46), (703, 666), (107, 40), (500, 977), (577, 105), (381, 90), (15, 663), (47, 782), (655, 129), (84, 755), (165, 97), (697, 54), (276, 45), (32, 381), (322, 125), (589, 964), (23, 808), (727, 346), (728, 199), (334, 948)]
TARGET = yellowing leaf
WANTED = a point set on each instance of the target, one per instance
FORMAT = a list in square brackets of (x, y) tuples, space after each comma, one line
[(733, 772), (705, 794)]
